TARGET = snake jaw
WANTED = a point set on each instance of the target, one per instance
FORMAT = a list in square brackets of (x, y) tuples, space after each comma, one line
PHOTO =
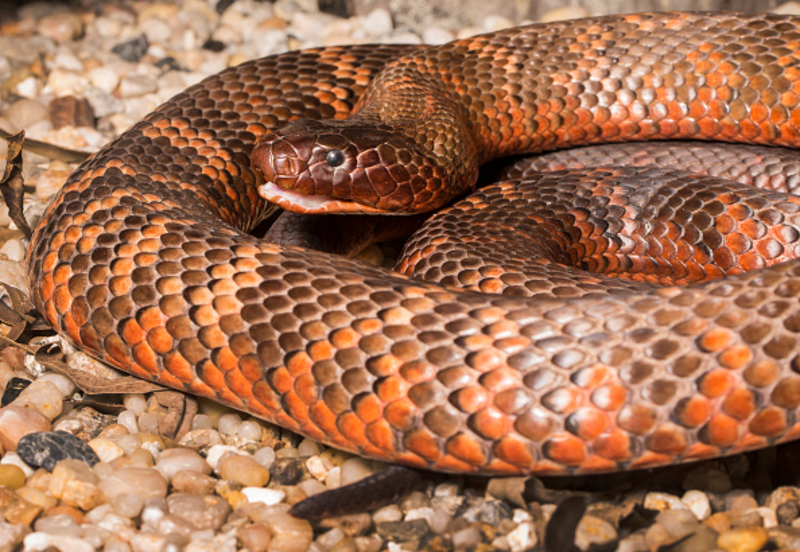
[(311, 204)]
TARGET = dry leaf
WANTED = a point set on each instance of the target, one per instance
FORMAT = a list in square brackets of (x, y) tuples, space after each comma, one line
[(50, 151), (89, 375), (12, 185), (511, 489)]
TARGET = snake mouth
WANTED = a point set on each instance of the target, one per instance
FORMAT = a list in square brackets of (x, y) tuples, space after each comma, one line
[(312, 204)]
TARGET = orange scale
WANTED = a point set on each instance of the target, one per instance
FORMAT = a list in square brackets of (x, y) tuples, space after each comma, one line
[(241, 387), (591, 377), (693, 411), (353, 429), (668, 439), (421, 442), (736, 357), (226, 360), (610, 397), (321, 350), (251, 368), (515, 451), (265, 395), (392, 388), (62, 299), (649, 459), (401, 414), (385, 365), (90, 339), (700, 451), (150, 318), (117, 350), (132, 332), (770, 422), (146, 358), (614, 445), (565, 449), (381, 435), (596, 464), (749, 442), (449, 463), (306, 388), (791, 434), (721, 431), (296, 408), (475, 342), (281, 379), (205, 315), (206, 371), (739, 404), (299, 363), (345, 338), (588, 423), (716, 382), (500, 380), (323, 417), (490, 423), (470, 399), (369, 408)]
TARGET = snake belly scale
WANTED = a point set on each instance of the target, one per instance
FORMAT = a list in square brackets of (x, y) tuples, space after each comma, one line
[(143, 261)]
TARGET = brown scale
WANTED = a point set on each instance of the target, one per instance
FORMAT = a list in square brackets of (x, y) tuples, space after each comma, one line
[(142, 261)]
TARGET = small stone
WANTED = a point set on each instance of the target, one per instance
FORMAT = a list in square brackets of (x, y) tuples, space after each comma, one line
[(190, 481), (216, 453), (662, 501), (203, 512), (132, 86), (147, 483), (14, 387), (437, 35), (132, 50), (255, 537), (106, 449), (16, 422), (402, 531), (565, 13), (789, 8), (522, 538), (11, 476), (698, 503), (76, 485), (70, 111), (61, 27), (319, 467), (289, 533), (750, 539), (59, 524), (787, 512), (288, 471), (355, 469), (20, 512), (388, 513), (25, 112), (42, 396), (172, 461), (201, 438), (593, 530), (378, 22), (265, 496), (243, 469), (46, 449), (11, 535)]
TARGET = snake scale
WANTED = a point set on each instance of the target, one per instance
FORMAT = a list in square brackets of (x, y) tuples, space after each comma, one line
[(143, 259)]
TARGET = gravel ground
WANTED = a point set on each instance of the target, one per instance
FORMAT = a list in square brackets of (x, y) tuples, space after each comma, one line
[(126, 476)]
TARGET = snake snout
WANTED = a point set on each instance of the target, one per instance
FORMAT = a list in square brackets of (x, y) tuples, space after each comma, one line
[(281, 162)]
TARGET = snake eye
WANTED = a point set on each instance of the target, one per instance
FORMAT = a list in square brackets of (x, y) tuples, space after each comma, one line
[(334, 157)]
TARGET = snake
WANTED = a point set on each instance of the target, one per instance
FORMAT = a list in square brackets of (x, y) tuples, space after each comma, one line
[(525, 354)]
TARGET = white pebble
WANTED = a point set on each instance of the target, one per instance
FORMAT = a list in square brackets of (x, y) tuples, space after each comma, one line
[(662, 501), (698, 503), (391, 512), (127, 419), (378, 22), (308, 448), (14, 251), (63, 383), (202, 421), (106, 449), (133, 86), (136, 403), (265, 456), (172, 461), (43, 396), (216, 453), (437, 35), (522, 538), (269, 497), (250, 430), (287, 452), (35, 542), (129, 443), (419, 513), (311, 487), (127, 505), (319, 467), (229, 423), (355, 469)]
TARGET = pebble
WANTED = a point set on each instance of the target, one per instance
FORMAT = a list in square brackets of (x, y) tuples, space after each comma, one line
[(75, 484), (190, 481), (13, 388), (11, 476), (172, 461), (18, 421), (62, 27), (147, 483), (593, 530), (47, 449), (132, 50), (265, 496), (750, 539), (43, 396), (698, 503), (243, 469), (202, 512), (522, 538)]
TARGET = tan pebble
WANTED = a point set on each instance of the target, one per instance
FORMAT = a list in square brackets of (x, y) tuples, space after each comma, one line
[(319, 467), (719, 522), (11, 476), (204, 512), (662, 501), (106, 449), (141, 458), (196, 438), (113, 430), (172, 461), (147, 483), (565, 13), (75, 484), (789, 8), (74, 513), (62, 27), (750, 539), (18, 421), (289, 533), (21, 512), (243, 469), (189, 481), (698, 503), (255, 537), (40, 480), (38, 498)]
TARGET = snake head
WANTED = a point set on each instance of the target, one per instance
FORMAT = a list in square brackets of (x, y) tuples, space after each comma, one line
[(316, 167)]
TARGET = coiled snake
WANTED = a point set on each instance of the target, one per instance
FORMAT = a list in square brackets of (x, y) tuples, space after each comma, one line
[(143, 260)]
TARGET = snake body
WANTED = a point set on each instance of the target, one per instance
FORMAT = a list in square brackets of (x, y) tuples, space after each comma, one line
[(143, 261)]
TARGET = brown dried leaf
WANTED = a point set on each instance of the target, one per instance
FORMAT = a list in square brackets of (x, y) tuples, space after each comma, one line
[(12, 184), (181, 410), (50, 151), (511, 489), (17, 315), (91, 376)]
